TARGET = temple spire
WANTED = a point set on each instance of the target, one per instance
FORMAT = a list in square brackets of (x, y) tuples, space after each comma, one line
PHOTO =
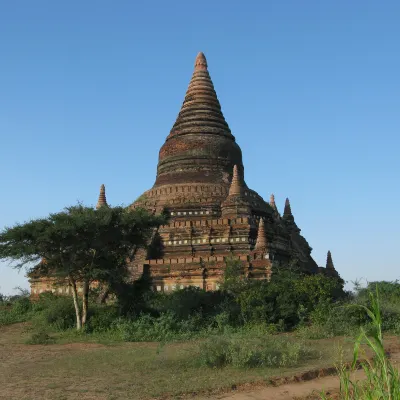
[(288, 216), (236, 204), (201, 111), (201, 62), (287, 212), (102, 198), (261, 243), (236, 184), (272, 202), (329, 262)]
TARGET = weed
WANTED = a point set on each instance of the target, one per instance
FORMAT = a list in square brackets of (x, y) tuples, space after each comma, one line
[(40, 337), (251, 351), (382, 378)]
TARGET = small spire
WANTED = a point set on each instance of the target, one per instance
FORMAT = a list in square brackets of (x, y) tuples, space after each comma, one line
[(102, 198), (261, 243), (236, 184), (329, 262), (201, 62), (287, 211), (272, 202)]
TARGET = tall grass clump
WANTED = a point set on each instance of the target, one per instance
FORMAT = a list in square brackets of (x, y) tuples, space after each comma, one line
[(165, 327), (53, 312), (13, 310), (40, 337), (382, 380), (249, 352)]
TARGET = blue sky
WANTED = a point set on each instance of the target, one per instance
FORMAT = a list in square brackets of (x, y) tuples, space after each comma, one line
[(90, 89)]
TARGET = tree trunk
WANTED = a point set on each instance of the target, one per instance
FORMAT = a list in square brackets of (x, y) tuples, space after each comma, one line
[(76, 304), (101, 299), (85, 301)]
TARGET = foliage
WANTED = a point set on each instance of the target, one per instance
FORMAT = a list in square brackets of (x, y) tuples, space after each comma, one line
[(251, 351), (233, 280), (81, 241), (186, 302), (80, 244), (15, 309), (334, 319), (163, 328), (382, 377), (40, 337), (101, 318), (132, 298), (56, 312), (315, 306), (290, 297)]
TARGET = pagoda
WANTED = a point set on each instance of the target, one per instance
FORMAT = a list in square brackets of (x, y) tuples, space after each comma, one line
[(215, 216)]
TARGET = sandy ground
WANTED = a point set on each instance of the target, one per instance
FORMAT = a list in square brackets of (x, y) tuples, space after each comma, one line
[(291, 391), (309, 389)]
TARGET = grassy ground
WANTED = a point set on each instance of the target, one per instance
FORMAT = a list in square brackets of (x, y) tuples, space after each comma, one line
[(126, 370)]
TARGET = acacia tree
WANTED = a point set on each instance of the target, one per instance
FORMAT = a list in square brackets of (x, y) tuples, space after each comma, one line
[(80, 245)]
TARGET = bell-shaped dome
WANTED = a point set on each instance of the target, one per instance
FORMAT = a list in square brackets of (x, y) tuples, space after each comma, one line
[(200, 147)]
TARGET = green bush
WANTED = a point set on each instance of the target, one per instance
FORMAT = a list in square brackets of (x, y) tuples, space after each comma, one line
[(390, 313), (16, 310), (166, 327), (389, 293), (54, 311), (314, 305), (101, 318), (188, 301), (22, 305), (222, 321), (382, 378), (330, 320), (291, 296), (252, 351), (40, 337), (346, 317), (214, 353)]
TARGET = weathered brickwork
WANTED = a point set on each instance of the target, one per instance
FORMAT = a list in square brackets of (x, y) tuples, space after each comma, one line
[(214, 214)]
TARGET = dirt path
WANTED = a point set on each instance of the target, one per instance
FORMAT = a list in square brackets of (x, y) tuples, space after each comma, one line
[(290, 391), (309, 389)]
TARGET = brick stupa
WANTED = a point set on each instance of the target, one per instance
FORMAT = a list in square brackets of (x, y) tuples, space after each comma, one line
[(215, 216)]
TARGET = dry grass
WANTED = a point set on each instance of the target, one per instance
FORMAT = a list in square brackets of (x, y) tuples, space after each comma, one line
[(125, 370)]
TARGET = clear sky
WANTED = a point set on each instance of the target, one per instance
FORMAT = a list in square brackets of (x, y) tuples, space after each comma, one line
[(90, 89)]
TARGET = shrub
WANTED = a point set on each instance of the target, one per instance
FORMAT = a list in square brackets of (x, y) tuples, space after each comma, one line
[(289, 297), (55, 311), (16, 310), (40, 337), (101, 318), (252, 351), (22, 305), (214, 353), (188, 301), (165, 327), (329, 320), (222, 320), (314, 332), (382, 378)]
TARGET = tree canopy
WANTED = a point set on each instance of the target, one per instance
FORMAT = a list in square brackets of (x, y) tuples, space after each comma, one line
[(80, 245)]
